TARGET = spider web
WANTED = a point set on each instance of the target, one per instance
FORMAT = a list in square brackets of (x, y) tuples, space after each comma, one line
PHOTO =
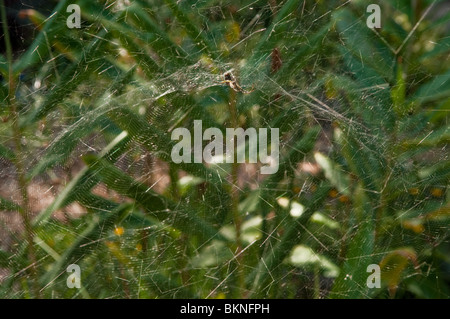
[(298, 59)]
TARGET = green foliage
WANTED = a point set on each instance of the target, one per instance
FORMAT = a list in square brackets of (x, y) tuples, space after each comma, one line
[(363, 170)]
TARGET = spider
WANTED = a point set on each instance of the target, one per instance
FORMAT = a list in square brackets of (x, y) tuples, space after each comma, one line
[(230, 79)]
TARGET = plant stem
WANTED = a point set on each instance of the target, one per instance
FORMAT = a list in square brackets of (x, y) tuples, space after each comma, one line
[(18, 162), (184, 238), (316, 282), (234, 194)]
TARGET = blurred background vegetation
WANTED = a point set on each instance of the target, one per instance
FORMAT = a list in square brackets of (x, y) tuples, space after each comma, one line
[(86, 175)]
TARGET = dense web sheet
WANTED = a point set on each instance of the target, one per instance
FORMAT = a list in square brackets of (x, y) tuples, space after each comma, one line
[(363, 163)]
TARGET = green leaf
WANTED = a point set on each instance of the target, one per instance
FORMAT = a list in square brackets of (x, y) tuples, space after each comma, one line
[(435, 174), (305, 257), (304, 54), (158, 142), (398, 92), (9, 205), (127, 36), (4, 258), (93, 231), (363, 160), (63, 145), (79, 187), (334, 173), (273, 34), (6, 153), (351, 282), (212, 255), (182, 217), (436, 88), (73, 76), (274, 257), (368, 97), (197, 36), (441, 47), (39, 48), (434, 138), (4, 68), (162, 42), (351, 31), (287, 163)]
